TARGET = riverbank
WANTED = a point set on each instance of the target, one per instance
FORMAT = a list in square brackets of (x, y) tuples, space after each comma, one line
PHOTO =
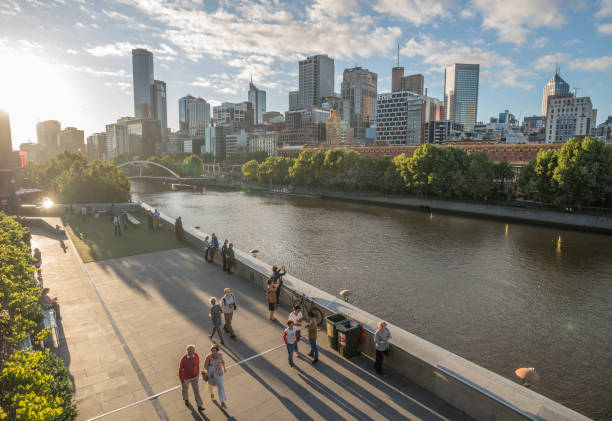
[(578, 221)]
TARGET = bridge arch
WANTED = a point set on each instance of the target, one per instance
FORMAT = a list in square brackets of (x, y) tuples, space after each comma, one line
[(139, 162)]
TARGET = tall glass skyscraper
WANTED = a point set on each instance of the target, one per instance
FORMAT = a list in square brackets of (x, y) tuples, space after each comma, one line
[(184, 113), (316, 80), (461, 93), (359, 91), (199, 116), (142, 71), (257, 97), (160, 106), (555, 86)]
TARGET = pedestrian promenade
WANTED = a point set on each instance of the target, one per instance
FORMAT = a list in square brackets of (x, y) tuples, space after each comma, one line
[(126, 322)]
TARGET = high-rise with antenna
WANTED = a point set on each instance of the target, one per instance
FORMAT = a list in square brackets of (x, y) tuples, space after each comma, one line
[(397, 74), (555, 86)]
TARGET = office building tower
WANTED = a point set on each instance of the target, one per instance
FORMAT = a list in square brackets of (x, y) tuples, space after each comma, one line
[(304, 126), (294, 100), (391, 117), (555, 86), (142, 72), (47, 131), (337, 132), (264, 142), (198, 113), (567, 117), (231, 113), (116, 141), (257, 97), (358, 93), (96, 146), (184, 113), (414, 83), (6, 142), (397, 74), (71, 139), (316, 80), (461, 93), (419, 111), (272, 117), (160, 109)]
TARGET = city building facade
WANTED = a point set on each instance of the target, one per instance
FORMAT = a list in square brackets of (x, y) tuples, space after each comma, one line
[(567, 117), (441, 131), (359, 94), (142, 73), (71, 139), (294, 100), (183, 104), (264, 142), (47, 131), (337, 131), (273, 117), (304, 126), (316, 80), (198, 114), (391, 117), (555, 86), (257, 97), (160, 106), (96, 146), (116, 140), (419, 111), (461, 83), (414, 83)]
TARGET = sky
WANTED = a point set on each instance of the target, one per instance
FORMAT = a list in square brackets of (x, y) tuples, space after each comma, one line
[(71, 60)]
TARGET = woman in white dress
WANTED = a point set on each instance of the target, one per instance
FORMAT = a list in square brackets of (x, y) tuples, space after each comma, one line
[(215, 368)]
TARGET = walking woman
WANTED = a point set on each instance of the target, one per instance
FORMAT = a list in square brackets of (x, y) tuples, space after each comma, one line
[(381, 339), (271, 298), (215, 368), (215, 317)]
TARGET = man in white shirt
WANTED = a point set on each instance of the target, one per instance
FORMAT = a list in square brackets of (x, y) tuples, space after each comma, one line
[(117, 225), (228, 304), (296, 317)]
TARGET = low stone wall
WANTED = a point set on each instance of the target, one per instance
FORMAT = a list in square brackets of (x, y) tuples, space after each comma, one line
[(472, 389)]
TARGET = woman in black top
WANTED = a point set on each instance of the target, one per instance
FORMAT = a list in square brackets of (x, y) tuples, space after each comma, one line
[(277, 279)]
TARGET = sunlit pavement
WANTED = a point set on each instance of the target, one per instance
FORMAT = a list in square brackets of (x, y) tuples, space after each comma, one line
[(126, 323)]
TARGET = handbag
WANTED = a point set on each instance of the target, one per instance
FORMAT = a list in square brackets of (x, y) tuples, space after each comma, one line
[(204, 375)]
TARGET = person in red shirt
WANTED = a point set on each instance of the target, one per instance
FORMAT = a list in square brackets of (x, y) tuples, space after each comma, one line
[(189, 372)]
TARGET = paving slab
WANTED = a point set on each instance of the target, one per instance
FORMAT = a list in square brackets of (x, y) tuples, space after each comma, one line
[(126, 322)]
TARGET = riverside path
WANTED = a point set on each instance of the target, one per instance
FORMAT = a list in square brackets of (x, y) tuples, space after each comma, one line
[(126, 322)]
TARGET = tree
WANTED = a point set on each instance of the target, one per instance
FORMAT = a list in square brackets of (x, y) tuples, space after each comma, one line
[(583, 173), (307, 168), (192, 165), (274, 170), (479, 180), (503, 172), (120, 159), (249, 170), (545, 185)]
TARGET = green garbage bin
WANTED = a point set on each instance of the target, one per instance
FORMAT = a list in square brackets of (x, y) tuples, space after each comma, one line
[(332, 331), (348, 338)]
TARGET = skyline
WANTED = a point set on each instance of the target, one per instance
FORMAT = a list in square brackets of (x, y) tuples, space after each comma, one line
[(79, 54)]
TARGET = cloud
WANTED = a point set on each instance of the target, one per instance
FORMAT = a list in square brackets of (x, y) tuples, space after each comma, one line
[(599, 64), (605, 10), (104, 72), (10, 8), (514, 20), (117, 16), (123, 49), (572, 42), (71, 51), (548, 62), (438, 54), (540, 42), (605, 29), (417, 12)]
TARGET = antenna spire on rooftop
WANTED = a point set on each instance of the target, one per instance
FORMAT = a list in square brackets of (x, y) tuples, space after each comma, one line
[(398, 51)]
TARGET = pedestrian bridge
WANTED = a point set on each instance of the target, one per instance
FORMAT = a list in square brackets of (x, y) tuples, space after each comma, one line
[(142, 163)]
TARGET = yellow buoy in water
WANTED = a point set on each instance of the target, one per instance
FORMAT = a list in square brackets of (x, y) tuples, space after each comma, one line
[(506, 229), (430, 216), (559, 241)]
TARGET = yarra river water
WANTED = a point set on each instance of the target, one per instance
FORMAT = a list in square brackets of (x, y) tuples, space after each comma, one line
[(502, 300)]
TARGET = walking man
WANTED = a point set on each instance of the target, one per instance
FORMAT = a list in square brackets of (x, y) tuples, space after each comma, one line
[(224, 254), (228, 305), (214, 246), (117, 225), (189, 371), (290, 338), (312, 337)]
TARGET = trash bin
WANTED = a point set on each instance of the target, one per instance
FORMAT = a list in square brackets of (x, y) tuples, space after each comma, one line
[(332, 331), (348, 338)]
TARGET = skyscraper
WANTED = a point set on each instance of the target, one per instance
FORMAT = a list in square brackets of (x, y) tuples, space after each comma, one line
[(359, 90), (198, 111), (555, 86), (568, 116), (184, 113), (6, 145), (47, 131), (142, 71), (160, 108), (316, 75), (71, 139), (414, 83), (257, 97), (461, 93)]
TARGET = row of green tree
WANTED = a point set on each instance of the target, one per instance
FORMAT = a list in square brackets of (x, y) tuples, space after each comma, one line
[(70, 178), (578, 174), (431, 171), (34, 386)]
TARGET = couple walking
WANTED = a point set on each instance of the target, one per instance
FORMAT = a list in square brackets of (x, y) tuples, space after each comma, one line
[(189, 372), (227, 307)]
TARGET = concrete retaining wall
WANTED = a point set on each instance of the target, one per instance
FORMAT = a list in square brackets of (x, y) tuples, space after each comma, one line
[(472, 389)]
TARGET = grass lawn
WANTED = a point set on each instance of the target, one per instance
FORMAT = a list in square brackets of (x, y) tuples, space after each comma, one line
[(94, 239)]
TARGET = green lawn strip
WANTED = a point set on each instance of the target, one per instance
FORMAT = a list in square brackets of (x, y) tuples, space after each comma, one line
[(94, 239)]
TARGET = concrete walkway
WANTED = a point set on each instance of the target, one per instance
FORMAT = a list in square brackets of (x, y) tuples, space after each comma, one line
[(126, 322)]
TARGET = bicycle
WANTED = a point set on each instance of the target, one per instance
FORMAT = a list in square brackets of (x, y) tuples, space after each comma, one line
[(301, 301)]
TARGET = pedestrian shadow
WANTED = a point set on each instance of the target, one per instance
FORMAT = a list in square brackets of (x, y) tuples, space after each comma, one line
[(228, 416), (197, 415)]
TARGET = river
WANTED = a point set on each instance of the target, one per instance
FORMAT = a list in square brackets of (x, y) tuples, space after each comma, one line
[(502, 296)]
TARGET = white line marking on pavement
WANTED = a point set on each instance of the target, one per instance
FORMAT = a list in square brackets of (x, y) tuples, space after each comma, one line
[(178, 386)]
